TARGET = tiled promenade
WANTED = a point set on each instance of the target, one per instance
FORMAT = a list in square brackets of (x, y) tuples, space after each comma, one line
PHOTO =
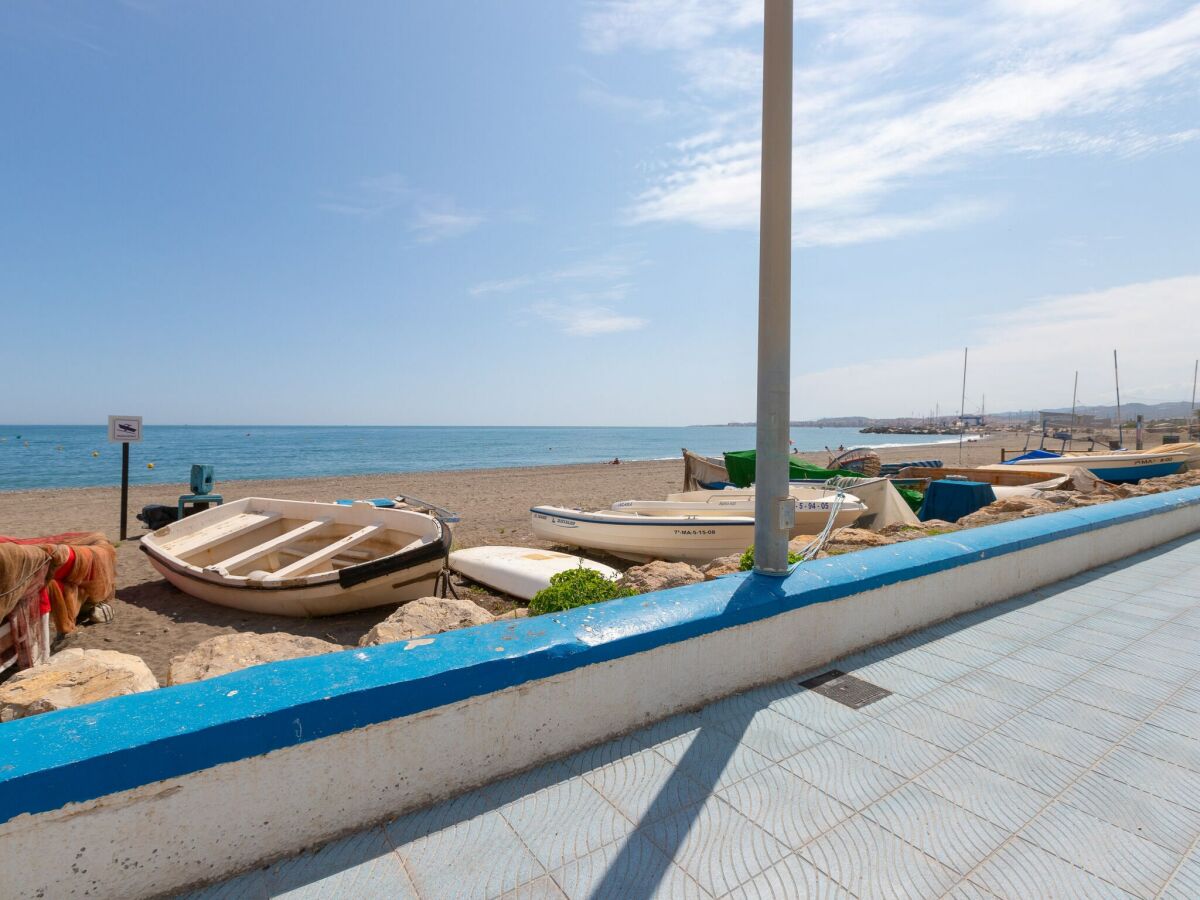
[(1045, 747)]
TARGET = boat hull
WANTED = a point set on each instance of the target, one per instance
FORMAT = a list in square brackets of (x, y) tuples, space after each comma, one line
[(1117, 468), (695, 539), (329, 599), (520, 571)]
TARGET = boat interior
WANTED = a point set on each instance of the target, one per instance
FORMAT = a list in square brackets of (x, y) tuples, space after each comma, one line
[(281, 547)]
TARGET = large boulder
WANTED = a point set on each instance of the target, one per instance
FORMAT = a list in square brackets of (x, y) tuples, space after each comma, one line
[(726, 565), (227, 653), (72, 678), (1008, 509), (429, 615), (859, 538), (659, 576), (521, 612), (903, 531)]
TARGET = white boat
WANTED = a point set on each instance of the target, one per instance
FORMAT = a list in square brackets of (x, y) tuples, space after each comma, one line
[(694, 526), (296, 558), (520, 571), (1116, 466)]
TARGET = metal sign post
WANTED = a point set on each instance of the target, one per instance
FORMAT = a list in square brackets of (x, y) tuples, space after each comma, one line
[(124, 430)]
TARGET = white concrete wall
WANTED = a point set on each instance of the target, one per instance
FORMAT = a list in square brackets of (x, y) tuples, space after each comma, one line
[(207, 825)]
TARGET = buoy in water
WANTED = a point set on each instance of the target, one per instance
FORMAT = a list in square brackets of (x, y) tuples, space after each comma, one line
[(149, 465), (95, 453)]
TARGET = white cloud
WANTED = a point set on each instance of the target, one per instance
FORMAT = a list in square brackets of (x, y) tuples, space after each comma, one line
[(888, 97), (1028, 355), (428, 216), (611, 266), (588, 321)]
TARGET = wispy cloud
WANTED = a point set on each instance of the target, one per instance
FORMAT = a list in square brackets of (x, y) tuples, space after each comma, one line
[(426, 215), (588, 321), (580, 297), (889, 96), (1028, 356)]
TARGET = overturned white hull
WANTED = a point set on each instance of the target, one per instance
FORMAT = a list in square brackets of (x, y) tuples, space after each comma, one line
[(295, 558)]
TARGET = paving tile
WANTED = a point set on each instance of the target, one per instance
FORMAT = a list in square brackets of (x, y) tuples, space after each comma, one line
[(989, 641), (1166, 745), (644, 786), (1053, 659), (667, 729), (1042, 771), (822, 715), (716, 845), (772, 734), (1110, 726), (871, 862), (950, 834), (1070, 646), (478, 857), (998, 799), (791, 809), (1021, 871), (632, 867), (711, 757), (971, 706), (1185, 883), (1154, 776), (542, 888), (968, 890), (933, 665), (934, 725), (959, 652), (1132, 863), (1177, 719), (253, 885), (565, 821), (1029, 673), (898, 679), (1110, 698), (843, 774), (1102, 639), (788, 879), (362, 865), (996, 687), (1053, 737), (1166, 824), (1187, 698), (1115, 674), (891, 747)]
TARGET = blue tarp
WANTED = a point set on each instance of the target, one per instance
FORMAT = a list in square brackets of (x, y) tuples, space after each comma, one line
[(951, 500), (1034, 454)]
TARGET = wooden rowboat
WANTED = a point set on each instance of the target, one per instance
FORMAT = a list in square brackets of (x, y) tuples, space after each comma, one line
[(296, 558)]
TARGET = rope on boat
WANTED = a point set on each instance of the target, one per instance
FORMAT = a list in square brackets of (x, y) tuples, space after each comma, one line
[(814, 546)]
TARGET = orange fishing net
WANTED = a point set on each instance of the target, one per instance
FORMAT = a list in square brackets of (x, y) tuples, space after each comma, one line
[(83, 568)]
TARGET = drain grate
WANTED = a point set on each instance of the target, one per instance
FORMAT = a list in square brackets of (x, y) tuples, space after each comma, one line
[(845, 689)]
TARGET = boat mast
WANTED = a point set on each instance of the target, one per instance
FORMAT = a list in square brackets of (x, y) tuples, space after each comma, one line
[(1074, 397), (1120, 421), (774, 512), (962, 409), (1192, 415)]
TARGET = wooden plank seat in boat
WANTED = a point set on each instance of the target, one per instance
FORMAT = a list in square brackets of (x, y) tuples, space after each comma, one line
[(325, 554), (235, 526), (268, 547)]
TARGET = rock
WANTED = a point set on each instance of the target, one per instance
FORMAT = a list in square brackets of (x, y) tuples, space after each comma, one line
[(1008, 509), (659, 576), (799, 542), (726, 565), (903, 532), (229, 652), (72, 678), (429, 615), (521, 612), (860, 537)]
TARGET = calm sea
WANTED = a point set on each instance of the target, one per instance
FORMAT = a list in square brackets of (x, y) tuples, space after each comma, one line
[(49, 456)]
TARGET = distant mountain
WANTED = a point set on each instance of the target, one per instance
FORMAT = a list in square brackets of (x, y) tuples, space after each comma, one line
[(1179, 409)]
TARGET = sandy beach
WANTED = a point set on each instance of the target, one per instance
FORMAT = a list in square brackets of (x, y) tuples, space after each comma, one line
[(156, 622)]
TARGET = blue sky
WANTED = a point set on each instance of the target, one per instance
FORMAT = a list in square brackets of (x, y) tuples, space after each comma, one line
[(546, 212)]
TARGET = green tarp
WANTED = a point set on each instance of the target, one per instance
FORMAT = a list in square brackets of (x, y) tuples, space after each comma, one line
[(740, 465)]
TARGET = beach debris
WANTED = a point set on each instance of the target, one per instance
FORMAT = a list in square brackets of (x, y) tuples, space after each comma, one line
[(428, 615), (726, 565), (227, 653), (660, 576), (73, 677)]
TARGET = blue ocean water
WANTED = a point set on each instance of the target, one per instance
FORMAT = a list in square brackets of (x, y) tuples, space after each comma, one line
[(53, 456)]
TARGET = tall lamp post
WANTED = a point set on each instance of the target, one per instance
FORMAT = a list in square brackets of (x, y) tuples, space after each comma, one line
[(774, 514)]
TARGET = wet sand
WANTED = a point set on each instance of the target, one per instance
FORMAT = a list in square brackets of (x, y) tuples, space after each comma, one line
[(156, 622)]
